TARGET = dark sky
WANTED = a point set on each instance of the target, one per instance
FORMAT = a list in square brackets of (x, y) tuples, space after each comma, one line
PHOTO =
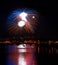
[(47, 29)]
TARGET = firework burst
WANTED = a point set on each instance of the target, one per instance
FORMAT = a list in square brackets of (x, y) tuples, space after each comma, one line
[(21, 22)]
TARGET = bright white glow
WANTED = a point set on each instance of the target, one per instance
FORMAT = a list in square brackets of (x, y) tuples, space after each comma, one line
[(22, 48), (21, 23), (23, 16), (33, 16), (21, 60)]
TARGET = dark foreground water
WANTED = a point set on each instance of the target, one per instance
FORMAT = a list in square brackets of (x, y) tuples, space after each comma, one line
[(25, 55)]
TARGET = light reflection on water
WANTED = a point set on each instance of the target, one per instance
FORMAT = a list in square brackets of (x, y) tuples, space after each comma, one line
[(21, 60), (21, 55), (21, 48)]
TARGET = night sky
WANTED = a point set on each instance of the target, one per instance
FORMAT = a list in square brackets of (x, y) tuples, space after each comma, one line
[(47, 28)]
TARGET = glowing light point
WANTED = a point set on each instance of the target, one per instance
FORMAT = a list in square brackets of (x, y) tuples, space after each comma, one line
[(23, 16), (21, 23), (33, 17)]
